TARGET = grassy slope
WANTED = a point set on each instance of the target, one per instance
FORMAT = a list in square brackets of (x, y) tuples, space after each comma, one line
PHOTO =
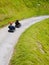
[(33, 46), (10, 10)]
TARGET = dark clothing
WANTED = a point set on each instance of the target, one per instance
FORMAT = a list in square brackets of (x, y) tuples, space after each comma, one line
[(17, 24), (11, 28)]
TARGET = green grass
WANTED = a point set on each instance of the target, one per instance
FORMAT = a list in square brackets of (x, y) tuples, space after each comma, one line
[(33, 46), (10, 10)]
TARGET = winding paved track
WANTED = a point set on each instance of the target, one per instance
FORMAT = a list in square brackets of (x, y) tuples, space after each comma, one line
[(8, 40)]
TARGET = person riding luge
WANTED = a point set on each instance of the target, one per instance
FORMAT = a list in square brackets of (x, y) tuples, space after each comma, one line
[(17, 24), (11, 27)]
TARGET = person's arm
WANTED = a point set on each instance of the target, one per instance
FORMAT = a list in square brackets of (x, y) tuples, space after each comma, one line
[(8, 26)]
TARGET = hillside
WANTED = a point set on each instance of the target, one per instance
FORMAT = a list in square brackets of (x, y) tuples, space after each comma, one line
[(10, 10), (33, 46)]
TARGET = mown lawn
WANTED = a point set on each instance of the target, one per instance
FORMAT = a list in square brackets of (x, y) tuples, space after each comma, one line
[(10, 10), (33, 46)]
